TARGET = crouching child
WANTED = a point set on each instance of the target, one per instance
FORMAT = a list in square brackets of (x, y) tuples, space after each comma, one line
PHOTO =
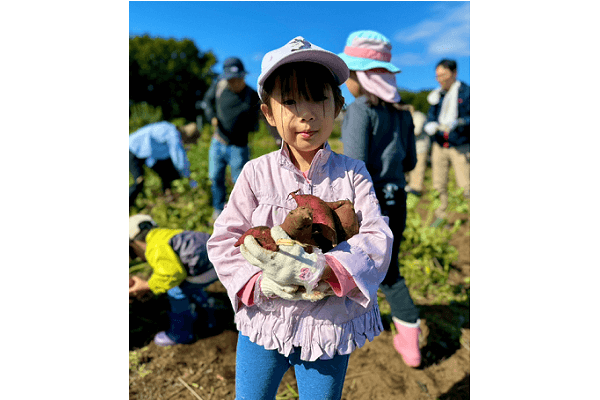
[(180, 268)]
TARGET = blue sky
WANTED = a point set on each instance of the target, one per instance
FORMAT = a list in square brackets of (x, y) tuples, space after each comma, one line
[(421, 32)]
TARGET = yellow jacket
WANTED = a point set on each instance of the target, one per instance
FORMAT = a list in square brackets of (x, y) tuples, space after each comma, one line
[(167, 269)]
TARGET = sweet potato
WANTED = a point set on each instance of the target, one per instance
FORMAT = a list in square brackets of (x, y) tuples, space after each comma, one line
[(314, 222), (323, 227), (262, 234), (297, 224), (346, 216), (334, 205)]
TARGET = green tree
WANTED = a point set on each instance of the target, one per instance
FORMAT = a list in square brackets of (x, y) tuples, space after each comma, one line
[(142, 114), (170, 74), (417, 99)]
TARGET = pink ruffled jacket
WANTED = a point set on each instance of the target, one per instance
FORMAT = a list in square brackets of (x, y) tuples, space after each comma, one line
[(261, 197)]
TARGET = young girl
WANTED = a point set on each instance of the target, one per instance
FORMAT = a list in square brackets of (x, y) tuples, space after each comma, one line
[(313, 330), (380, 132)]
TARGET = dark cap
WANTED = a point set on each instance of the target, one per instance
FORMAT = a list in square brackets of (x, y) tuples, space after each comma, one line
[(233, 68)]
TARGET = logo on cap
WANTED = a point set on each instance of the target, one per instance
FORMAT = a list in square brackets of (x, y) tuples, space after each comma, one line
[(233, 69), (299, 43)]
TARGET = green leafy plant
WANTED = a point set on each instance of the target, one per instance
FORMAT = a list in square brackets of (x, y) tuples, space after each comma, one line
[(426, 255), (456, 200), (135, 363), (288, 393), (262, 141)]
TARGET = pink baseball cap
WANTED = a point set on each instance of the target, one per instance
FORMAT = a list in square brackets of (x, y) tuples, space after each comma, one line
[(300, 49)]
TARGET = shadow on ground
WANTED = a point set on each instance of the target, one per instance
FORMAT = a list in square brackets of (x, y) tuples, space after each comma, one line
[(149, 316)]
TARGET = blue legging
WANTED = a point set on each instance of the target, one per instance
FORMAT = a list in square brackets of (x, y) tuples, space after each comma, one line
[(259, 373)]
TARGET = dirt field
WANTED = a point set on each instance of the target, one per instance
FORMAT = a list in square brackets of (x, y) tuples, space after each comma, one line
[(375, 372)]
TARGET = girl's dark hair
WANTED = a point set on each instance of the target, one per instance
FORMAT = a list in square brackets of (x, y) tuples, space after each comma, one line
[(448, 64), (311, 80)]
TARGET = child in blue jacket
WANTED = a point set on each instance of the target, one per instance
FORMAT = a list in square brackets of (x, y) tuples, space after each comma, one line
[(159, 146)]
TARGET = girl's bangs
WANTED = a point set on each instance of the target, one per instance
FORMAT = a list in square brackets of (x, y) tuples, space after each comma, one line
[(308, 81)]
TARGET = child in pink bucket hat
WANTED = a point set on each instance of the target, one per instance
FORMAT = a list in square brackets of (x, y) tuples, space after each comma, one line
[(378, 130), (367, 50)]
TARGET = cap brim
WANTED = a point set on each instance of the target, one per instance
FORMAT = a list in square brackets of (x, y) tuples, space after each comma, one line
[(364, 64)]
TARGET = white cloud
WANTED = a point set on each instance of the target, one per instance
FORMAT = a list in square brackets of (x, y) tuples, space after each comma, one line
[(446, 33), (441, 7), (461, 14), (409, 60), (454, 41), (423, 30)]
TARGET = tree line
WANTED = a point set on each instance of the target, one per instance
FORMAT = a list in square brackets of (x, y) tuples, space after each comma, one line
[(171, 76)]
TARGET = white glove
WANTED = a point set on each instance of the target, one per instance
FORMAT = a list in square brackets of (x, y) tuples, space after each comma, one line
[(270, 288), (431, 128), (321, 291), (444, 128), (291, 265), (452, 126)]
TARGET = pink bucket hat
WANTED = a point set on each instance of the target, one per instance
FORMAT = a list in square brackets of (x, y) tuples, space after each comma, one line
[(368, 50)]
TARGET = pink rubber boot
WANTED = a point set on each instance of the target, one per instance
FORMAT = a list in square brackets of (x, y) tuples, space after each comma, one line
[(406, 342)]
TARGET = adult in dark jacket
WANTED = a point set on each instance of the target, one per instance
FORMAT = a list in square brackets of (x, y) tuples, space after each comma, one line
[(448, 122), (233, 109)]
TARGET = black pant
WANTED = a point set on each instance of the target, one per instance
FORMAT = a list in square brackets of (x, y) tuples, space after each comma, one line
[(392, 200), (164, 168)]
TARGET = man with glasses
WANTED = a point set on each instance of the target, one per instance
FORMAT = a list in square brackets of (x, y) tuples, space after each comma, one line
[(448, 123)]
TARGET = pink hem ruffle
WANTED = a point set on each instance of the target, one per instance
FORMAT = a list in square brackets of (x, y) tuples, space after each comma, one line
[(316, 338)]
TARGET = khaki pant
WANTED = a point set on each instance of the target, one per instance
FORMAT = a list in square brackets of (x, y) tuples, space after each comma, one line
[(441, 158), (416, 176)]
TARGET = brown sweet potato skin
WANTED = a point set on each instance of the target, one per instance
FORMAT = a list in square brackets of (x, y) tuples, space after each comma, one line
[(298, 225), (324, 227), (262, 234), (334, 205), (314, 222), (346, 215)]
